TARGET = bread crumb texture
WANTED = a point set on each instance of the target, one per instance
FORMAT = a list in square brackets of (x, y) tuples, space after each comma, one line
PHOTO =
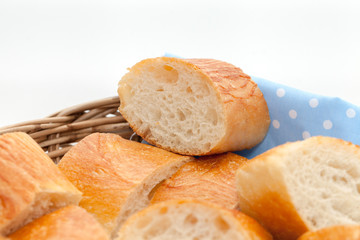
[(190, 220), (184, 105)]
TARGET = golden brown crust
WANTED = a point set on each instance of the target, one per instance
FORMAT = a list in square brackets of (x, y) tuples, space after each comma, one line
[(264, 196), (70, 223), (344, 232), (246, 113), (108, 168), (249, 228), (208, 178), (26, 172)]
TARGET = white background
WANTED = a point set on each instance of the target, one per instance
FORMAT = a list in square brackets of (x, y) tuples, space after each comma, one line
[(55, 54)]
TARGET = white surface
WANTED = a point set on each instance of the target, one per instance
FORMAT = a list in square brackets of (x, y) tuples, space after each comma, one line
[(55, 54)]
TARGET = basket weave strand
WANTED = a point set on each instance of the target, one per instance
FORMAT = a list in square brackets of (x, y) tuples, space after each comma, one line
[(57, 133)]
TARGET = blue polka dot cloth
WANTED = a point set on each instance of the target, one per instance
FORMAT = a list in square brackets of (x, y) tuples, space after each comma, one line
[(297, 115)]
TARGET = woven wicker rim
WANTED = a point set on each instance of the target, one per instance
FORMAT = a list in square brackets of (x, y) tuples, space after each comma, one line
[(57, 133)]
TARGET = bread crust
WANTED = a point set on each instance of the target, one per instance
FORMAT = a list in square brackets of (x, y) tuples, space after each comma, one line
[(264, 194), (208, 178), (109, 169), (342, 232), (245, 110), (249, 228), (70, 223), (28, 174)]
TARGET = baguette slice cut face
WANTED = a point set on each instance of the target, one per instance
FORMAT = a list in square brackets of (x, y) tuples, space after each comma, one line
[(341, 232), (70, 223), (116, 175), (302, 186), (31, 185), (190, 219), (208, 178), (193, 106)]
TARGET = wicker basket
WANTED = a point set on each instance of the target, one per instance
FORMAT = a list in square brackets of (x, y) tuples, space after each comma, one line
[(57, 133)]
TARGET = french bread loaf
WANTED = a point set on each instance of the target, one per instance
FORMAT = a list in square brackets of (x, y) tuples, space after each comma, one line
[(117, 175), (31, 185), (68, 223), (208, 178), (302, 186), (342, 232), (193, 106), (190, 219)]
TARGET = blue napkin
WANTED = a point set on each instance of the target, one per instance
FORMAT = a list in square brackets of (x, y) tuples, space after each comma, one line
[(297, 115)]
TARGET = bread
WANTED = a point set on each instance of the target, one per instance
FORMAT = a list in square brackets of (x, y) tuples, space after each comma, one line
[(302, 186), (208, 178), (117, 175), (70, 223), (342, 232), (30, 183), (193, 106), (190, 219)]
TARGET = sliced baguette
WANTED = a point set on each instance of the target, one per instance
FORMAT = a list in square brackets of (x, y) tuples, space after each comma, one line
[(342, 232), (31, 185), (69, 223), (193, 106), (190, 219), (208, 178), (302, 186), (117, 175)]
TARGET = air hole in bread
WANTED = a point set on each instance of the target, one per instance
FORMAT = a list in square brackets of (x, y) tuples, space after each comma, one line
[(160, 90), (222, 224), (316, 159), (157, 228), (163, 210), (313, 222), (211, 114), (325, 195), (180, 115), (189, 132), (339, 179), (190, 219), (189, 90), (358, 188), (167, 74)]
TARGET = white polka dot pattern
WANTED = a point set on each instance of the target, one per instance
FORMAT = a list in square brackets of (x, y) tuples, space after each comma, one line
[(297, 115), (292, 114), (327, 124), (280, 92), (306, 134), (350, 113), (313, 102), (276, 124)]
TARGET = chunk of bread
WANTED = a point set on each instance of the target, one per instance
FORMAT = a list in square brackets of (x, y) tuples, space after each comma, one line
[(68, 223), (31, 185), (186, 219), (208, 178), (341, 232), (117, 175), (193, 106), (302, 186)]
